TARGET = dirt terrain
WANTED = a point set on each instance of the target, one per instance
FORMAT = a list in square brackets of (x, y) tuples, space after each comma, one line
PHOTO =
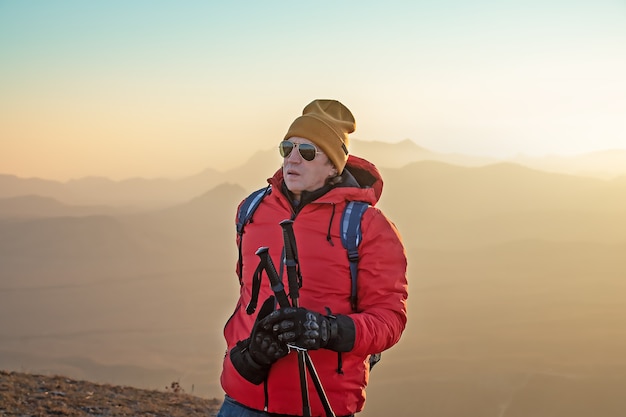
[(23, 394)]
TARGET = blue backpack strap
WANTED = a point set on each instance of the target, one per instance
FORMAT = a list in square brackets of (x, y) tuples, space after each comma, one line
[(351, 238), (244, 216), (248, 206)]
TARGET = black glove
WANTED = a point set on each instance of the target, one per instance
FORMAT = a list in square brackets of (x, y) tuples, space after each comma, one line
[(253, 357), (311, 330)]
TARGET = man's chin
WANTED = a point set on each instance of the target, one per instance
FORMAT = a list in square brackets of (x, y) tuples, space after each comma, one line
[(292, 183)]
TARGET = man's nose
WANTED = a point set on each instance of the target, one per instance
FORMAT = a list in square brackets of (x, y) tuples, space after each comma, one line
[(294, 155)]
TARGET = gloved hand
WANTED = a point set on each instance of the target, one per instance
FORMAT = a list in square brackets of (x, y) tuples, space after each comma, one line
[(253, 357), (311, 330)]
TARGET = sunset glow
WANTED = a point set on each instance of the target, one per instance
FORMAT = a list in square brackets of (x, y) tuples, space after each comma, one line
[(152, 89)]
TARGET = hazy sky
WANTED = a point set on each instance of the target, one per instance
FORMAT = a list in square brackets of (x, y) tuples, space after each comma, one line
[(168, 88)]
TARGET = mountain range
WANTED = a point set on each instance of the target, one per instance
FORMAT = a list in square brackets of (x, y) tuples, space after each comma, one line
[(515, 274), (140, 193)]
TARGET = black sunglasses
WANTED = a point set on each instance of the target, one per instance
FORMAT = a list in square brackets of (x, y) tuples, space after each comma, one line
[(307, 151)]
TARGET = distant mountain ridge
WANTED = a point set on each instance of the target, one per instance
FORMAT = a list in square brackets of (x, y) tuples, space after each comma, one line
[(501, 187), (606, 164), (37, 206), (395, 155), (140, 193)]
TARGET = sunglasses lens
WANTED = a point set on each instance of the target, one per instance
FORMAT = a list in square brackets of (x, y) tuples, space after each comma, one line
[(285, 148), (307, 151)]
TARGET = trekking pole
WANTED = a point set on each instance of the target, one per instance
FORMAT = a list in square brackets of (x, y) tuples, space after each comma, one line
[(279, 291), (294, 278), (283, 301)]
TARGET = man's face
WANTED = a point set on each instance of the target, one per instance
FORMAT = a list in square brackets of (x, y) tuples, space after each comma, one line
[(302, 175)]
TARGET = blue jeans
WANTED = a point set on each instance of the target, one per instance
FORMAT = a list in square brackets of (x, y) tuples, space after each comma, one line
[(231, 408)]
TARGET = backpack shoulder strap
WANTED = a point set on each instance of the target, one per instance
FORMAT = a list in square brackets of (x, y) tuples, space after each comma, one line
[(244, 216), (351, 238), (248, 207)]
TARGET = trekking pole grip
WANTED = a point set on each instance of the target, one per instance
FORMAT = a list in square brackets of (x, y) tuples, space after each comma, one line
[(291, 260), (276, 283)]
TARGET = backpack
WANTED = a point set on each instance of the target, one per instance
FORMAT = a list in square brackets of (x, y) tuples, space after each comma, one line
[(350, 238)]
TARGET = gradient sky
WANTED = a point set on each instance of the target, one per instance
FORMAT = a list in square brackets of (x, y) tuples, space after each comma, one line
[(169, 88)]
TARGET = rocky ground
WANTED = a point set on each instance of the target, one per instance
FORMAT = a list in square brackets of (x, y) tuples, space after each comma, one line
[(23, 394)]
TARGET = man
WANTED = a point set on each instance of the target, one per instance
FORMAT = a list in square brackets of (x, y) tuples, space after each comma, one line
[(317, 180)]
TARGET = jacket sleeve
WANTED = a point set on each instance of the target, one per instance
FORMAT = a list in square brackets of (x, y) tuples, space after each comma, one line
[(382, 285)]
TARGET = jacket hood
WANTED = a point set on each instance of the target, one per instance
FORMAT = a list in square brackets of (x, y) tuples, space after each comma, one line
[(361, 180), (366, 174)]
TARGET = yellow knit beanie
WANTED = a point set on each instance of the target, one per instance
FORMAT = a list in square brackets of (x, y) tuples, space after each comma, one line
[(327, 124)]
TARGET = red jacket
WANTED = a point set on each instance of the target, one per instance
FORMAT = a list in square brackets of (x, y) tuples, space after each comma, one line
[(382, 293)]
